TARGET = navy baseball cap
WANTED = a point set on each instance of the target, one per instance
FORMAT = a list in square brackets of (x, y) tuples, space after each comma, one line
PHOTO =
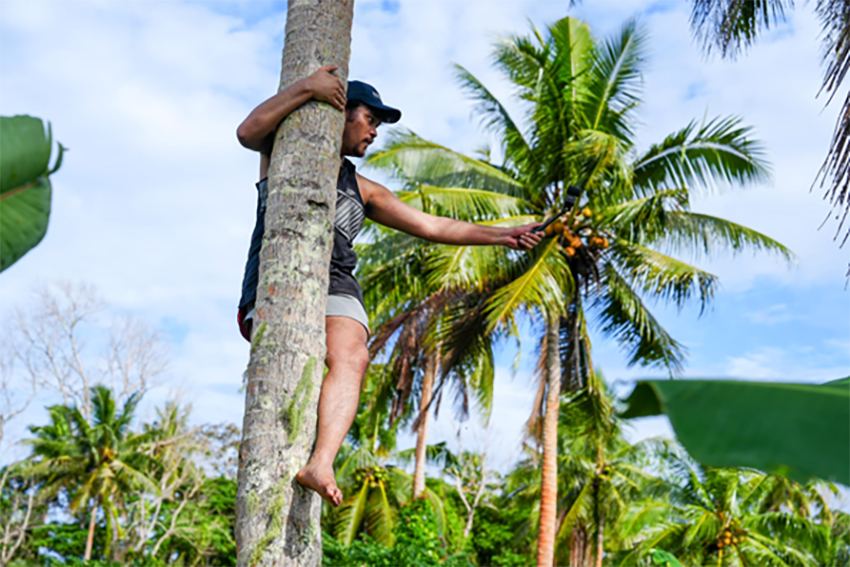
[(368, 95)]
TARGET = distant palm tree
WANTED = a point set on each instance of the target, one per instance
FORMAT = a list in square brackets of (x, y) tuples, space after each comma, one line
[(618, 245), (97, 463), (834, 548), (711, 516), (599, 475)]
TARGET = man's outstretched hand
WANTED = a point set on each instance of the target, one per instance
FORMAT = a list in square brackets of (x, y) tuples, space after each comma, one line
[(327, 87), (521, 237)]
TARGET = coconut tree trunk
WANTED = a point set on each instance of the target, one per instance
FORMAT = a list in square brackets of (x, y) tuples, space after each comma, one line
[(549, 486), (277, 521), (432, 363), (600, 532), (578, 547), (597, 504), (90, 535)]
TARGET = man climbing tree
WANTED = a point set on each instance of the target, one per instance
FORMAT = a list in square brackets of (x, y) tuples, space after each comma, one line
[(346, 323)]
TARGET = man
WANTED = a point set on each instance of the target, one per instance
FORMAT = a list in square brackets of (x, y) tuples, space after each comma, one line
[(347, 324)]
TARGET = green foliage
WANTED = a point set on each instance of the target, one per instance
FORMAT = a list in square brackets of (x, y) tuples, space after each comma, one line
[(453, 511), (25, 190), (97, 462), (714, 420), (500, 535), (213, 519), (61, 544), (663, 559), (417, 544)]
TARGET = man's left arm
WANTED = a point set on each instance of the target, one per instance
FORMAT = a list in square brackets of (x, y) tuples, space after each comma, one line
[(385, 208)]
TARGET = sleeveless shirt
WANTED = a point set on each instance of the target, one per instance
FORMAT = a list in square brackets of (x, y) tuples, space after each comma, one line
[(350, 215)]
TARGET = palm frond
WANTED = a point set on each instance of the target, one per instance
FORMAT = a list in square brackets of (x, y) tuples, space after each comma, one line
[(473, 267), (349, 516), (732, 26), (416, 160), (473, 205), (624, 317), (543, 281), (663, 277), (710, 235), (616, 80), (494, 116), (835, 171), (380, 516), (720, 150)]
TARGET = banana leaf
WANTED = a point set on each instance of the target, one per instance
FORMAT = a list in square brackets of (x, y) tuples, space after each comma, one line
[(25, 191), (801, 431)]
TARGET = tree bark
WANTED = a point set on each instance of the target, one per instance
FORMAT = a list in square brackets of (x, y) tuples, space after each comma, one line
[(549, 485), (432, 363), (482, 486), (600, 531), (597, 504), (90, 535), (278, 522), (578, 547)]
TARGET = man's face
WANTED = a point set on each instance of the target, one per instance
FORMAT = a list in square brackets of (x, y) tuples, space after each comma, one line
[(361, 129)]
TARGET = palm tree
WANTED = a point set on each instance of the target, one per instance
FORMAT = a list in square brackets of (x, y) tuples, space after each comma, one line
[(98, 464), (600, 474), (616, 248), (723, 517), (275, 519), (733, 25)]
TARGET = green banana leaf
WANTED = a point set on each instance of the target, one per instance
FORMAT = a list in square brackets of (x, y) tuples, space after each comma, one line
[(25, 191), (797, 430)]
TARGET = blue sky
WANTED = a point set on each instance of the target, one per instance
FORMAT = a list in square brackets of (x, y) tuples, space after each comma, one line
[(154, 204)]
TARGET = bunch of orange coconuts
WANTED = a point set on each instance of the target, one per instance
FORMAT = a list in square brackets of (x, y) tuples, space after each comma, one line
[(574, 241), (728, 538)]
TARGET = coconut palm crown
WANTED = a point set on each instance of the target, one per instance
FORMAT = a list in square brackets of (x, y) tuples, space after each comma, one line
[(624, 241)]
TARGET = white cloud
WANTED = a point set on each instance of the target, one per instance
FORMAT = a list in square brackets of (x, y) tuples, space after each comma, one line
[(782, 363), (776, 314)]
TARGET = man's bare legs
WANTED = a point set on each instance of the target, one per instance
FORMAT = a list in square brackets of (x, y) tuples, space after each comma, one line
[(347, 360)]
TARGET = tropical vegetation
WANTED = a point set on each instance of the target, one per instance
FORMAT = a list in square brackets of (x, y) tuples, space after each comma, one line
[(619, 503)]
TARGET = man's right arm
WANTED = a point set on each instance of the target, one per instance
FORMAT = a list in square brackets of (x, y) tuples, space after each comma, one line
[(257, 131)]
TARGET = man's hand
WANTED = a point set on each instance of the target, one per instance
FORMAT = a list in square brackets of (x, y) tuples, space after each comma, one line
[(521, 237), (326, 87)]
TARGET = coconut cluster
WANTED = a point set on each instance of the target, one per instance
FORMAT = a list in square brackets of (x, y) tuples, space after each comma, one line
[(581, 234)]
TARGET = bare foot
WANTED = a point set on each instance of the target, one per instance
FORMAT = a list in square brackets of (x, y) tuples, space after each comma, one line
[(321, 481)]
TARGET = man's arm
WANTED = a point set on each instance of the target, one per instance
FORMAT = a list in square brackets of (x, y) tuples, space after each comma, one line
[(257, 131), (387, 209)]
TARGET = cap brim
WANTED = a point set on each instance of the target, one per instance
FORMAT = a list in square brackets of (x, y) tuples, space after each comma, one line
[(386, 114)]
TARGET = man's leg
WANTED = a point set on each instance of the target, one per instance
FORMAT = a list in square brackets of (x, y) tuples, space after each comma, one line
[(347, 359)]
